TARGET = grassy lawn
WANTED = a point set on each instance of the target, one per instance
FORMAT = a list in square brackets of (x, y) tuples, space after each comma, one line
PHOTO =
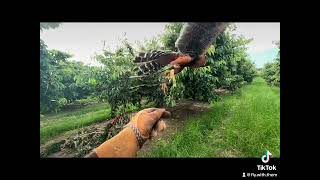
[(244, 124), (55, 124)]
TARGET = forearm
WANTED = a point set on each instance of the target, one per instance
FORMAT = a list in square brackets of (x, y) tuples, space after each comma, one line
[(123, 144), (132, 137)]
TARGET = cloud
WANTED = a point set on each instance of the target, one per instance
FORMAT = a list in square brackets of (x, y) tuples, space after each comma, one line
[(83, 40), (261, 49)]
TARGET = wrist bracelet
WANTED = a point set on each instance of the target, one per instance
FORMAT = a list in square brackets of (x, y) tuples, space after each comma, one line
[(137, 133)]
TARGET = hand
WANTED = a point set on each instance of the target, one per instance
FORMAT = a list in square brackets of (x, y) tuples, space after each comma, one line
[(124, 144), (148, 121)]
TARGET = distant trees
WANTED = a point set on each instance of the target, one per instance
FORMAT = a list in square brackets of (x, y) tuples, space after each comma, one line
[(63, 81), (271, 71), (44, 26), (228, 67)]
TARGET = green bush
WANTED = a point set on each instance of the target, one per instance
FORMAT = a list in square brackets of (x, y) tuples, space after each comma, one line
[(228, 66), (64, 83), (271, 71)]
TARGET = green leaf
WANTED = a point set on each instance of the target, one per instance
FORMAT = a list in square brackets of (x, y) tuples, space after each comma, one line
[(211, 50)]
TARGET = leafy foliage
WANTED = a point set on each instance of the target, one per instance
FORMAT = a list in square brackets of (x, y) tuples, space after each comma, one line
[(115, 85), (64, 82), (51, 87), (271, 71), (171, 34), (228, 67), (49, 26)]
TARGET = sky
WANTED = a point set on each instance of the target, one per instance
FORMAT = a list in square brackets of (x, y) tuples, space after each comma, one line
[(84, 40), (261, 49)]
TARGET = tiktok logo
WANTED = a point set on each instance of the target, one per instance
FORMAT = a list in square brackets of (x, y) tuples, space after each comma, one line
[(266, 157)]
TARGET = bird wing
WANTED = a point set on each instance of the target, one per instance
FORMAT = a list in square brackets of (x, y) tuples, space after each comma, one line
[(194, 40), (151, 62)]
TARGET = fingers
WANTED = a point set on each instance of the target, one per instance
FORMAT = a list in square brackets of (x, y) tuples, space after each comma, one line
[(149, 110), (165, 114), (156, 115)]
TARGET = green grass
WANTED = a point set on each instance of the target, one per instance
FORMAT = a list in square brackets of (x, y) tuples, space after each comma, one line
[(56, 124), (244, 124)]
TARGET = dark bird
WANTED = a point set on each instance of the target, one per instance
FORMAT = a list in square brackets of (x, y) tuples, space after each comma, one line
[(192, 44)]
